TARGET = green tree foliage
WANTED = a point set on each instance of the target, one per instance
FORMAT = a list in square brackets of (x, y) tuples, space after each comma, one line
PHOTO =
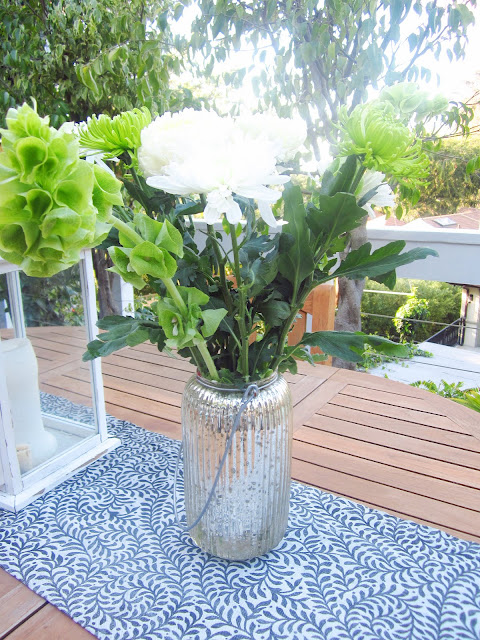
[(444, 302), (52, 301), (82, 57), (449, 185), (405, 318), (318, 56)]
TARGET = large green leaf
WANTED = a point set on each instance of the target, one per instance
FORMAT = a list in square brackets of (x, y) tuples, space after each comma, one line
[(274, 311), (336, 215), (342, 180), (211, 319), (122, 332), (350, 346), (295, 263), (360, 263)]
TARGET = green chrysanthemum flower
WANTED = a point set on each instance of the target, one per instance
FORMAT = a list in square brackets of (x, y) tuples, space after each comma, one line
[(114, 136), (374, 132), (52, 204), (410, 101)]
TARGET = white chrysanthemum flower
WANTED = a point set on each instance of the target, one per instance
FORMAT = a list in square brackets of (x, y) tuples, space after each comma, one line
[(169, 137), (383, 197), (286, 135), (213, 156)]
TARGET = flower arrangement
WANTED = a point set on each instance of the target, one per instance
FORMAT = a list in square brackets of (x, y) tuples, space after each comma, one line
[(229, 306)]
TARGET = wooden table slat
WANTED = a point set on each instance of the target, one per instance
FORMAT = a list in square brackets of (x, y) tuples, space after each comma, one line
[(383, 496), (430, 467), (17, 604), (433, 450)]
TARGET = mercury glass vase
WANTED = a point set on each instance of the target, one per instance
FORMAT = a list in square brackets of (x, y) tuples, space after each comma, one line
[(248, 513)]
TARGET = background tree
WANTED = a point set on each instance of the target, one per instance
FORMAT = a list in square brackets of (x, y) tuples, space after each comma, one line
[(80, 57), (449, 185), (315, 57), (444, 305)]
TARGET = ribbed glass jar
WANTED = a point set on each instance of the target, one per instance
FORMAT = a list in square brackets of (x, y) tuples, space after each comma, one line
[(249, 511)]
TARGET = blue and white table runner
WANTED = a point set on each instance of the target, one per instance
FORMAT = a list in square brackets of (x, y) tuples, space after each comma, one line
[(104, 548)]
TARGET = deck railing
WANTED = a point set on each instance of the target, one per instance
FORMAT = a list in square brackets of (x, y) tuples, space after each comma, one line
[(450, 335)]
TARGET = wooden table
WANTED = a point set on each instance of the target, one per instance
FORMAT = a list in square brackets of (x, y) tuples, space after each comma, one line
[(382, 443)]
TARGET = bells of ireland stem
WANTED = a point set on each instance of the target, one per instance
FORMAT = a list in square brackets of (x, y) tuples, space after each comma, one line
[(374, 132), (52, 204)]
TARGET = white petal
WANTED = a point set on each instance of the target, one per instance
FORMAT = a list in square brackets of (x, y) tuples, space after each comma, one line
[(266, 213), (211, 214), (259, 192), (233, 213), (170, 185), (369, 210)]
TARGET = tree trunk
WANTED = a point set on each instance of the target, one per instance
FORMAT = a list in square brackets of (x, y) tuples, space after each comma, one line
[(350, 292), (101, 261)]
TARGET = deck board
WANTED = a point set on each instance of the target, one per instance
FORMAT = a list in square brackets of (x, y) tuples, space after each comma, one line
[(385, 444)]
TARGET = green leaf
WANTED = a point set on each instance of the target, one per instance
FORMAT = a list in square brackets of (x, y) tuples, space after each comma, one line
[(471, 166), (121, 260), (139, 335), (112, 321), (192, 295), (188, 209), (148, 228), (361, 264), (341, 182), (170, 239), (337, 214), (350, 346), (148, 259), (264, 272), (211, 320), (122, 333), (296, 263), (274, 312)]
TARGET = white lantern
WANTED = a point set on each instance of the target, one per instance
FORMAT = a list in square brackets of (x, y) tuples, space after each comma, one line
[(42, 446)]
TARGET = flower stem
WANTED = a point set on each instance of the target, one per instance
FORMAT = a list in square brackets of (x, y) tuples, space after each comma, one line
[(175, 295), (126, 230), (357, 179), (221, 269), (242, 307), (204, 352)]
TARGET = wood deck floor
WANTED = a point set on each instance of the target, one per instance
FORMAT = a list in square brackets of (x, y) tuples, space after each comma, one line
[(382, 443)]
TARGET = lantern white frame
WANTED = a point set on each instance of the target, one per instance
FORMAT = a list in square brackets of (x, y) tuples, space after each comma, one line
[(19, 489)]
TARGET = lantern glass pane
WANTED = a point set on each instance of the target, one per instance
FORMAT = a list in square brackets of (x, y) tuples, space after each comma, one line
[(50, 388)]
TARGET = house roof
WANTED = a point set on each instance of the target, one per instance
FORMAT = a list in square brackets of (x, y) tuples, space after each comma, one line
[(466, 218)]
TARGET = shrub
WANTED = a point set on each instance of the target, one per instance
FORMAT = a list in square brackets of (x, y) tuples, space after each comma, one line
[(56, 300), (444, 302), (414, 309)]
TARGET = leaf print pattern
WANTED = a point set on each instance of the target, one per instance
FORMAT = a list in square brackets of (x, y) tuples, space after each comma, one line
[(104, 548)]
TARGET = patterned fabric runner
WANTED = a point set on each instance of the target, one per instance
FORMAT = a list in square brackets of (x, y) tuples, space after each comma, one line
[(104, 548)]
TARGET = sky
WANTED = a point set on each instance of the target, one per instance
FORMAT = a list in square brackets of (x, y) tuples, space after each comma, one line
[(454, 76)]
